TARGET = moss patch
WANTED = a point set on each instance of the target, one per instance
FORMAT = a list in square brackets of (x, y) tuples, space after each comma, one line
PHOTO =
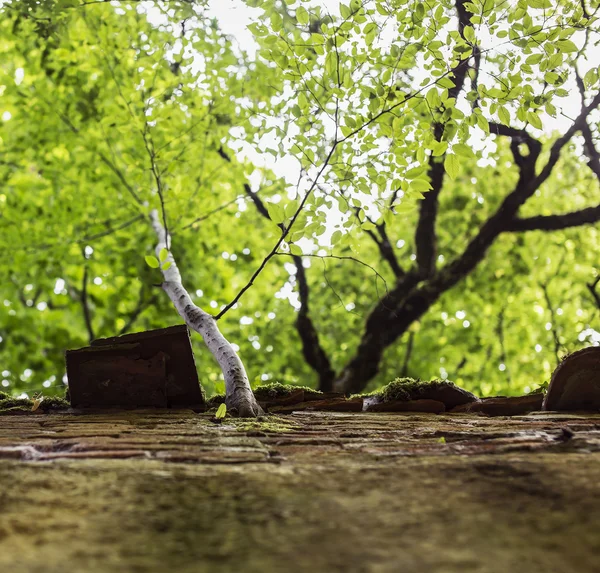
[(264, 424), (16, 405), (12, 404), (215, 401), (276, 390), (54, 403), (264, 393), (404, 389)]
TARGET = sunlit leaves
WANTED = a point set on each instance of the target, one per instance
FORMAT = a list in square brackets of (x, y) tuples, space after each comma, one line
[(452, 165)]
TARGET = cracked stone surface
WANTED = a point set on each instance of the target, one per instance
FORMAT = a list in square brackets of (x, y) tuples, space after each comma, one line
[(150, 491)]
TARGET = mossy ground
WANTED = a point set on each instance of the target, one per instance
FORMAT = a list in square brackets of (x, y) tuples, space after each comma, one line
[(264, 424), (11, 404), (338, 495)]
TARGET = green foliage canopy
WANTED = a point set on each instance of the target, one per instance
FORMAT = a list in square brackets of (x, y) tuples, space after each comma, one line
[(109, 111)]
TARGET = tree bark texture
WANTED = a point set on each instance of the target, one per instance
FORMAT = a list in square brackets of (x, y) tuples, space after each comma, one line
[(238, 394)]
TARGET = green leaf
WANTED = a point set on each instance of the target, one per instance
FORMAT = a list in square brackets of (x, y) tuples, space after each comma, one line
[(302, 15), (291, 208), (221, 412), (166, 266), (296, 250), (534, 59), (152, 261), (463, 150), (276, 213), (452, 165), (420, 185), (420, 11), (162, 256), (503, 115), (566, 46), (534, 119)]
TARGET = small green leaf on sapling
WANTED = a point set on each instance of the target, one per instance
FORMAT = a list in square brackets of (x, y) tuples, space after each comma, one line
[(152, 261), (221, 412)]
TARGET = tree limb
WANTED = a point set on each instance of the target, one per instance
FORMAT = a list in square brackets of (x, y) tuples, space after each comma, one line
[(592, 288), (140, 307), (238, 394), (425, 234), (412, 296), (587, 216), (83, 298), (407, 353), (313, 352), (284, 234)]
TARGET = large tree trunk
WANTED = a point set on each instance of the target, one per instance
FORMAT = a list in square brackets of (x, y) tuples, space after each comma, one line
[(239, 397), (385, 325)]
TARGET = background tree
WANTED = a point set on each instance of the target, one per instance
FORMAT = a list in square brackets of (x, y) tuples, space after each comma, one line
[(416, 114), (416, 128)]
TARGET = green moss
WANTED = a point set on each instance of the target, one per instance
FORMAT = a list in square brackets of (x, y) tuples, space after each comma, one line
[(404, 389), (266, 424), (16, 405), (11, 404), (276, 390), (215, 401), (263, 393), (4, 395), (54, 403)]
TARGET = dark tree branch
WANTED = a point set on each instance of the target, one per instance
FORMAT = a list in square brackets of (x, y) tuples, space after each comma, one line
[(460, 365), (142, 304), (387, 251), (587, 216), (500, 333), (83, 298), (425, 234), (555, 337), (312, 350), (526, 186), (413, 296), (111, 230), (382, 241), (589, 146), (476, 67), (578, 125), (283, 236), (592, 288), (407, 353)]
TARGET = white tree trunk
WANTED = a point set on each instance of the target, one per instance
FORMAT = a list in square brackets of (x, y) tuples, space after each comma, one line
[(238, 394)]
